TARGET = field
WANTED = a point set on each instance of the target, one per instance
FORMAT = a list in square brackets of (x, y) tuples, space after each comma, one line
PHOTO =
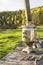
[(11, 37)]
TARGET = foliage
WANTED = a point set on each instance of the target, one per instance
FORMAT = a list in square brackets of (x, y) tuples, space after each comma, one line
[(14, 19), (37, 15)]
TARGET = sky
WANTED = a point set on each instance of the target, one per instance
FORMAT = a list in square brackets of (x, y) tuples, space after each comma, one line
[(12, 5)]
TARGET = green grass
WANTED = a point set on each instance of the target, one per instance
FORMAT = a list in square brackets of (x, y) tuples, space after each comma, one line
[(8, 40), (40, 33), (11, 37)]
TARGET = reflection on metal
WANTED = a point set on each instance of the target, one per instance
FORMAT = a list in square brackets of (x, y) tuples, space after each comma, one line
[(28, 33)]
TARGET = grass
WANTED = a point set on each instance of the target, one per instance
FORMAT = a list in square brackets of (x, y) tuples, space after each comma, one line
[(11, 37), (8, 40), (40, 33)]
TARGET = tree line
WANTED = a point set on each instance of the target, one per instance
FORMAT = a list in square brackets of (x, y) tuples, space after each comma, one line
[(15, 19)]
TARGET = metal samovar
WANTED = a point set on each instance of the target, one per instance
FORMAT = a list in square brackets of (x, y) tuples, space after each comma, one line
[(29, 30)]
